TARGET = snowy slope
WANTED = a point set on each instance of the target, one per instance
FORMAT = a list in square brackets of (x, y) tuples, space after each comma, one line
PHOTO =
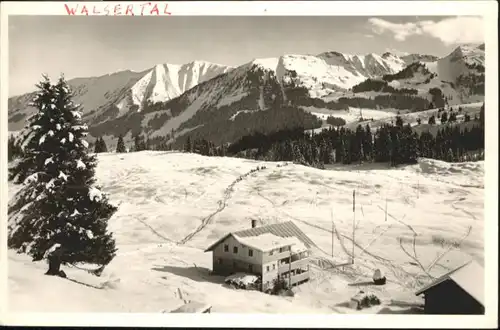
[(169, 197)]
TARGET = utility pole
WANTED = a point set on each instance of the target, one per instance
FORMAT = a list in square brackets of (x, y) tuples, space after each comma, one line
[(386, 209), (418, 186), (290, 270), (333, 228), (353, 221)]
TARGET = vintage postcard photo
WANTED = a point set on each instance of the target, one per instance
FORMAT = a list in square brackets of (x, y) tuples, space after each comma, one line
[(249, 158)]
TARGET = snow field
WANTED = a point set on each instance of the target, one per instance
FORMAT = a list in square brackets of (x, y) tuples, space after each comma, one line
[(167, 198)]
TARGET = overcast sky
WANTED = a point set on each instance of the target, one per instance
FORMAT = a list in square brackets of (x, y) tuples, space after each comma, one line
[(81, 46)]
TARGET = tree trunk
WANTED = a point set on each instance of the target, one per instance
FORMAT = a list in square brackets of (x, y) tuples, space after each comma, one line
[(55, 264)]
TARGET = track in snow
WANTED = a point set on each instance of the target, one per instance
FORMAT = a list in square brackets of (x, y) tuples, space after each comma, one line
[(222, 205)]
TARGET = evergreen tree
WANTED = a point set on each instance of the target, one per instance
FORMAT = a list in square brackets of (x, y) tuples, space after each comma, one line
[(452, 118), (444, 117), (97, 145), (120, 146), (368, 144), (419, 121), (399, 121), (143, 145), (100, 146), (188, 147), (64, 214), (481, 115), (139, 143), (466, 117), (104, 147), (33, 161), (432, 120)]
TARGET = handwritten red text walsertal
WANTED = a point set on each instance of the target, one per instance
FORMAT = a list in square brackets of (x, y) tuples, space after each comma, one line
[(125, 9)]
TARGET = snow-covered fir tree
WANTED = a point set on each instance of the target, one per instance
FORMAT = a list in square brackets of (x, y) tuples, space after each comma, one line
[(33, 161), (61, 205)]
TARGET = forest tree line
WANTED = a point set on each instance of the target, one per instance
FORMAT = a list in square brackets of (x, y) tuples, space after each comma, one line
[(394, 143)]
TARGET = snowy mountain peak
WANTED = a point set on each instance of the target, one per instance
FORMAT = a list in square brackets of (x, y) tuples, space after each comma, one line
[(329, 71), (167, 81), (471, 54), (269, 63), (468, 50)]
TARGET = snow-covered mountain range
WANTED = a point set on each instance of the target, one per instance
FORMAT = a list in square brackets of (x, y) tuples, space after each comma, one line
[(222, 102)]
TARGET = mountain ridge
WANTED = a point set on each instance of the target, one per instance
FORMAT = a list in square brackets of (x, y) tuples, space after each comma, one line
[(193, 98)]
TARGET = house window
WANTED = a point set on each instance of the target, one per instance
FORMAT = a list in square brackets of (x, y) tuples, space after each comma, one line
[(274, 266), (226, 248), (267, 268), (250, 252), (219, 261), (250, 268), (271, 252), (235, 249)]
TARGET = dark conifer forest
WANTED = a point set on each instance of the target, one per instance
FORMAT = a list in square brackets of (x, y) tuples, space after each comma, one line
[(391, 143)]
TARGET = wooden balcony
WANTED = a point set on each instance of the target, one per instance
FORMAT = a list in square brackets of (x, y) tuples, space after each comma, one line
[(283, 268), (300, 277)]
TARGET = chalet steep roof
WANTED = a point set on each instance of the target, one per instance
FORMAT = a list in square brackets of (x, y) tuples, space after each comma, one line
[(469, 276), (284, 229)]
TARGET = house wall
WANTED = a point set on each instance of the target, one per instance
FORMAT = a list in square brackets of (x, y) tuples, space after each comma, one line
[(268, 276), (235, 262), (448, 298)]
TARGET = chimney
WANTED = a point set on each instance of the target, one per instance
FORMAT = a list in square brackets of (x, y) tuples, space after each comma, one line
[(254, 223)]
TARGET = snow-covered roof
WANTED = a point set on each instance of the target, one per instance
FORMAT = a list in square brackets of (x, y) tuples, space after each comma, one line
[(266, 242), (286, 229), (470, 277)]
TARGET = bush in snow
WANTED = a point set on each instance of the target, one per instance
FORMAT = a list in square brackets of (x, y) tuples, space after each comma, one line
[(279, 285), (59, 204)]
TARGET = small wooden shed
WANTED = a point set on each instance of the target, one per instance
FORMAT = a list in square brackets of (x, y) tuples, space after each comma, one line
[(460, 291)]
